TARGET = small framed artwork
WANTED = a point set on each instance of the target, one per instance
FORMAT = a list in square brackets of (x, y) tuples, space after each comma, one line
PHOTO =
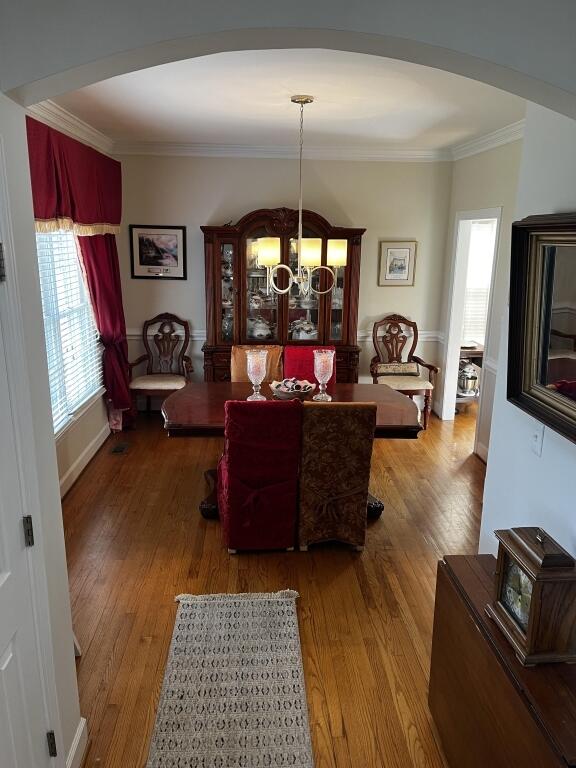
[(397, 262), (158, 252)]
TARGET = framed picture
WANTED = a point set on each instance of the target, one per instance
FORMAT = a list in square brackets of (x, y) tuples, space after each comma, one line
[(397, 262), (158, 252)]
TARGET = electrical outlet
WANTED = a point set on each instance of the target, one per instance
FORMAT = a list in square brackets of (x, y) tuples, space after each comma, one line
[(537, 438)]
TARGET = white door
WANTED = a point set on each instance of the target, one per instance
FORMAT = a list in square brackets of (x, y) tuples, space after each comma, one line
[(23, 742)]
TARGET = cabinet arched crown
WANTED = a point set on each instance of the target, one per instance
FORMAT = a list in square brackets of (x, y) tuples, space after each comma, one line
[(240, 310)]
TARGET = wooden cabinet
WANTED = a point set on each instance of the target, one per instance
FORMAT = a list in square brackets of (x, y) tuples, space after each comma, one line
[(239, 310), (489, 709)]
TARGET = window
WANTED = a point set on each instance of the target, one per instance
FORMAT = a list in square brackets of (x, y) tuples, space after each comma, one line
[(72, 346), (479, 277)]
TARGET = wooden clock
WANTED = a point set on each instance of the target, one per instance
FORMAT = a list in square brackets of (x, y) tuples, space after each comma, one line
[(535, 596)]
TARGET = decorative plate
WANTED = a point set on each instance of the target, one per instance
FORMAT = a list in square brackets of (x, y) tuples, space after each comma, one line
[(288, 389)]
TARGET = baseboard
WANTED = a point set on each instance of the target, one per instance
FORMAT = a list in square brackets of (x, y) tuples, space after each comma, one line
[(482, 452), (78, 747), (73, 472)]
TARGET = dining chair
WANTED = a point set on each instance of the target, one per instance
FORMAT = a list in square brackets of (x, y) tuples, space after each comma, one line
[(299, 363), (168, 367), (335, 472), (258, 474), (401, 372), (238, 362)]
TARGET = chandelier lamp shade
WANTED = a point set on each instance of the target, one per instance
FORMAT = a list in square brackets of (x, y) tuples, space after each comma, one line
[(309, 249)]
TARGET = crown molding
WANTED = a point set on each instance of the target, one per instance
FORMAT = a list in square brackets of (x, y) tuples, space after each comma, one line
[(506, 135), (60, 119), (357, 154)]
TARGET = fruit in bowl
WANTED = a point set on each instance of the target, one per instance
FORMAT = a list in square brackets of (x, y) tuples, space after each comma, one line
[(288, 389)]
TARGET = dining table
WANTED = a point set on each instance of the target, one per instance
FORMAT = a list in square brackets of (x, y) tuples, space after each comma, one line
[(197, 410)]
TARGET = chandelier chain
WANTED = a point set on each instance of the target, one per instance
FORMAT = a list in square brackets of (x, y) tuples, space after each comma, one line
[(300, 182), (302, 278)]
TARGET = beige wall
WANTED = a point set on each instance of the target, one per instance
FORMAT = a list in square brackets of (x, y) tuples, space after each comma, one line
[(392, 200), (486, 180)]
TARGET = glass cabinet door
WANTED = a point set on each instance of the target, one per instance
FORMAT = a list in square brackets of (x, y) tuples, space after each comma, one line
[(303, 311), (337, 305), (261, 305), (227, 292)]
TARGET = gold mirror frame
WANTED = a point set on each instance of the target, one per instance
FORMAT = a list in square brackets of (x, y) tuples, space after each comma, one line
[(530, 319)]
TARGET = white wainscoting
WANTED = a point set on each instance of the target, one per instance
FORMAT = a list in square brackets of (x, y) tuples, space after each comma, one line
[(484, 420)]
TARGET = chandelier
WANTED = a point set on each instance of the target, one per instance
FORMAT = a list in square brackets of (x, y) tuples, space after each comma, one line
[(309, 249)]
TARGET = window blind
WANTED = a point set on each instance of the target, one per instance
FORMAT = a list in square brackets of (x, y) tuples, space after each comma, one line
[(478, 278), (475, 314), (72, 341)]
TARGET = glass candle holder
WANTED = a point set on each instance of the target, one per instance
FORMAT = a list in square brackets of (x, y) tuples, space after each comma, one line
[(323, 367), (256, 368)]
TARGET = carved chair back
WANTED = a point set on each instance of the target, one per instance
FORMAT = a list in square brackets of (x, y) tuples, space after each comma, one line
[(391, 344), (166, 339)]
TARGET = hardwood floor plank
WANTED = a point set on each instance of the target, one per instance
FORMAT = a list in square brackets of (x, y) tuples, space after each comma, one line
[(135, 540)]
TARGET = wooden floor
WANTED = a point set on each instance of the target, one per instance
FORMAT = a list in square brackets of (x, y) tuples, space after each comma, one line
[(135, 540)]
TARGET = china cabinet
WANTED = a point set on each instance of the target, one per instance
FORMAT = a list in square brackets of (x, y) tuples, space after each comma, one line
[(241, 309)]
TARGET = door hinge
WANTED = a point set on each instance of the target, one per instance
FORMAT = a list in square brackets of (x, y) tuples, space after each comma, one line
[(51, 739), (28, 531), (2, 265)]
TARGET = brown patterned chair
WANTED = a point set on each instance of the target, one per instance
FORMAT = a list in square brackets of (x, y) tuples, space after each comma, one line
[(238, 362), (390, 367), (335, 472), (168, 367)]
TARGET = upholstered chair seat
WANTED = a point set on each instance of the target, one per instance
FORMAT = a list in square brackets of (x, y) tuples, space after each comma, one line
[(157, 381), (406, 383)]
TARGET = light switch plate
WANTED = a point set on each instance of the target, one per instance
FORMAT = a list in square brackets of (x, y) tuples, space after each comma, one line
[(537, 439)]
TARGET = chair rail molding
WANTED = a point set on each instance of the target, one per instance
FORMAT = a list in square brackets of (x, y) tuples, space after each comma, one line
[(426, 336), (134, 334)]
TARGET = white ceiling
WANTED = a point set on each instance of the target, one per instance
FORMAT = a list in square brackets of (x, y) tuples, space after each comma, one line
[(242, 99)]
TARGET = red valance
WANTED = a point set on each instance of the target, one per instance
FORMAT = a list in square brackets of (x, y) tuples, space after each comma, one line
[(74, 187)]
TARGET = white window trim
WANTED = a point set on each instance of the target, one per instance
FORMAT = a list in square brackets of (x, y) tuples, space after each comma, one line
[(75, 417)]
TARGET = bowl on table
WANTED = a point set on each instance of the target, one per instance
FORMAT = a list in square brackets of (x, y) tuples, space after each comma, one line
[(288, 389)]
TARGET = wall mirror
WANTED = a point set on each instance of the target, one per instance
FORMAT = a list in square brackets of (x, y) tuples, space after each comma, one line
[(542, 335)]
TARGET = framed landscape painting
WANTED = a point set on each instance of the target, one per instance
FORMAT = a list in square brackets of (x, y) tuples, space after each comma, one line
[(158, 252), (397, 262)]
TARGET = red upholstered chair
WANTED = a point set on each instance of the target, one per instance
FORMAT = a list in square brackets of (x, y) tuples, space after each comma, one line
[(258, 474), (299, 363)]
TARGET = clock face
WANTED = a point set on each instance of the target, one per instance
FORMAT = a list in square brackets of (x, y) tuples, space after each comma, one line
[(516, 593)]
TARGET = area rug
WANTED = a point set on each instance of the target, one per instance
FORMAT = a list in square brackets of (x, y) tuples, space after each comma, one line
[(233, 694)]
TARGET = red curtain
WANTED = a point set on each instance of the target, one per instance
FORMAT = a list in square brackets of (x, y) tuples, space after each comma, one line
[(100, 259), (75, 187)]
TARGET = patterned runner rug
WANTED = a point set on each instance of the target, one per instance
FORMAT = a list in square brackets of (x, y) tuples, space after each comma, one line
[(233, 694)]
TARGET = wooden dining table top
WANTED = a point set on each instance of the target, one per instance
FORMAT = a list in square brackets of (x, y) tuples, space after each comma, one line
[(197, 409)]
